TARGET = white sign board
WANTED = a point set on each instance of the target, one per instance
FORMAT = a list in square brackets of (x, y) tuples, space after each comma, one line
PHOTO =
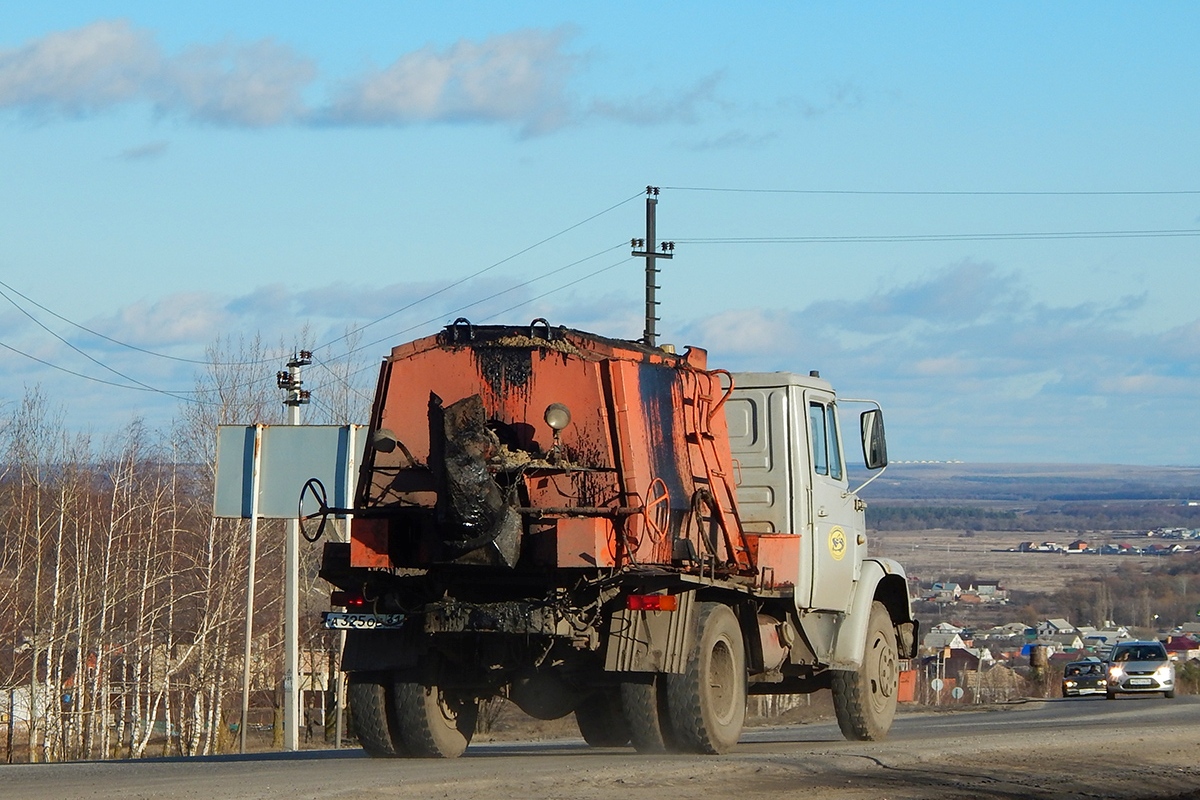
[(287, 456)]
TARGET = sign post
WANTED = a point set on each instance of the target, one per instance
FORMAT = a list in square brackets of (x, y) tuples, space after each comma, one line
[(261, 470)]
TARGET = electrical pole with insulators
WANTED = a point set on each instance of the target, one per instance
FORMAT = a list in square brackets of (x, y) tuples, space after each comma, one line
[(294, 397), (651, 251)]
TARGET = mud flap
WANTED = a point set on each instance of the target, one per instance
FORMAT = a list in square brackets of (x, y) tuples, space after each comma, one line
[(651, 641)]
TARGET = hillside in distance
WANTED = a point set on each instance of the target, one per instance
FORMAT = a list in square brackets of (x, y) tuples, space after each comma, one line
[(1006, 484), (1033, 497)]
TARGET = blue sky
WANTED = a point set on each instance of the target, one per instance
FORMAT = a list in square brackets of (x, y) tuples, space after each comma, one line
[(170, 173)]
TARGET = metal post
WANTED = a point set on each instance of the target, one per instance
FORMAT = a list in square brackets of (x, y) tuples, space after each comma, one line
[(290, 381), (253, 555), (340, 680), (291, 624)]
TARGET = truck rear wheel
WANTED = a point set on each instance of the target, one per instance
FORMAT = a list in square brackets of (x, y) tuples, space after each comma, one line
[(433, 723), (865, 699), (645, 710), (373, 716), (707, 702), (600, 719)]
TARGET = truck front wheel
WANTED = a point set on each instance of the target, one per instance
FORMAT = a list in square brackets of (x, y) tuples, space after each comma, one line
[(707, 702), (432, 722), (373, 715), (865, 699)]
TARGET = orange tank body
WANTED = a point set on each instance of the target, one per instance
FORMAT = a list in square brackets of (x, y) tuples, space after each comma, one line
[(465, 468)]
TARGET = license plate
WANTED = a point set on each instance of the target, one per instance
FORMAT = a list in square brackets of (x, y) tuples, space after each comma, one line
[(1140, 681), (350, 621)]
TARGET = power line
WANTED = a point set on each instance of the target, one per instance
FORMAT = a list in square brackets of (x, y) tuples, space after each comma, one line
[(343, 380), (45, 363), (935, 193), (481, 301), (947, 237), (96, 361), (181, 394), (112, 340), (558, 289), (569, 284), (203, 362), (477, 273)]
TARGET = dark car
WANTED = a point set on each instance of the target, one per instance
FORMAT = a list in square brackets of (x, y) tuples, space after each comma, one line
[(1140, 667), (1083, 678)]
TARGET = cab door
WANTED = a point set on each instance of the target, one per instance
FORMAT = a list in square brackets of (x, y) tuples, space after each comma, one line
[(836, 524)]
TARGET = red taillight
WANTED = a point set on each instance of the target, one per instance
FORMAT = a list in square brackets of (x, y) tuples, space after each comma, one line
[(347, 599), (652, 602)]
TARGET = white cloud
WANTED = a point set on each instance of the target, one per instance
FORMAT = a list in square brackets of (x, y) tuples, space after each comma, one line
[(514, 77), (180, 318), (80, 71), (732, 140), (252, 85), (839, 97), (144, 152), (1016, 381), (108, 63), (658, 107), (968, 364), (746, 331), (520, 78)]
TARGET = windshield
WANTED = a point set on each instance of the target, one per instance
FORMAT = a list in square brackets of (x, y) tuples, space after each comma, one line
[(1146, 652)]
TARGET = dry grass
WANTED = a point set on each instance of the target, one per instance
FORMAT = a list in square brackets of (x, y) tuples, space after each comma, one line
[(932, 555)]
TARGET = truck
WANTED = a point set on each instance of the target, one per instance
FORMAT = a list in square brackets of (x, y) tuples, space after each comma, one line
[(597, 526)]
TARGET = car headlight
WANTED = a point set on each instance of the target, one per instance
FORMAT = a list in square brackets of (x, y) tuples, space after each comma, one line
[(1115, 673), (1069, 684), (1164, 673)]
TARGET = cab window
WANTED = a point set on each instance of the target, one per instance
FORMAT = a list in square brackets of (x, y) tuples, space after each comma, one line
[(822, 420)]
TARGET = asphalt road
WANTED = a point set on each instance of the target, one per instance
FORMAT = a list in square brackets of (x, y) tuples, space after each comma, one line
[(1133, 747)]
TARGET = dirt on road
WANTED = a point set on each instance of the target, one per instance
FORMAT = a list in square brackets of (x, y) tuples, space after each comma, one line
[(1132, 748)]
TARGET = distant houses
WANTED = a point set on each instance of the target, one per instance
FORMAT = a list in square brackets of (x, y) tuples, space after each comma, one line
[(1119, 548), (947, 592), (997, 663)]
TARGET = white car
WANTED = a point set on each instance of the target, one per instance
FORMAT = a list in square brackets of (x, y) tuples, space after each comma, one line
[(1140, 667)]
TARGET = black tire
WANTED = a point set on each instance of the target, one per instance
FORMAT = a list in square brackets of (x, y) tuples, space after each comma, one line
[(600, 719), (1110, 695), (433, 723), (865, 699), (644, 706), (707, 703), (1169, 694), (373, 715)]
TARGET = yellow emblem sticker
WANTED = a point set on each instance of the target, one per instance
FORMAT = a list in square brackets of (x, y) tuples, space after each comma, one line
[(837, 542)]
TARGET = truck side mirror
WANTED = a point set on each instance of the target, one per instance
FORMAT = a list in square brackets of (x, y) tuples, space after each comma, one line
[(874, 443)]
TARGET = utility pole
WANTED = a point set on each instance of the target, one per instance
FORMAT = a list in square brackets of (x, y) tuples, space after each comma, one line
[(651, 251), (290, 382)]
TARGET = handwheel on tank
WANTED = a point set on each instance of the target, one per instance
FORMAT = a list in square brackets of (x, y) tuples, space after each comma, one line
[(707, 703), (865, 699), (373, 715), (644, 704), (657, 510), (600, 720), (433, 723)]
